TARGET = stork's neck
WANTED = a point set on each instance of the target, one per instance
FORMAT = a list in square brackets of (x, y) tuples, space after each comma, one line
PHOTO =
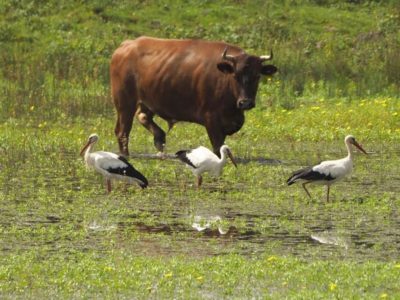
[(349, 152), (87, 152), (223, 158), (222, 161)]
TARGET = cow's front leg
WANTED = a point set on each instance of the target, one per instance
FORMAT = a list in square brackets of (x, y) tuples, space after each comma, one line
[(145, 117), (216, 136)]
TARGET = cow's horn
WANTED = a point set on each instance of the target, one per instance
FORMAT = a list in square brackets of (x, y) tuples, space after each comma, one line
[(267, 57), (227, 57)]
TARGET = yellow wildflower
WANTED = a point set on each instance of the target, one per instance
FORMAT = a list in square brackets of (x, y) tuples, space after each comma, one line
[(332, 286)]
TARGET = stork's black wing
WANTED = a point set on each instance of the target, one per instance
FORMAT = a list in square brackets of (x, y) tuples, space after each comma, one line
[(126, 169), (182, 155)]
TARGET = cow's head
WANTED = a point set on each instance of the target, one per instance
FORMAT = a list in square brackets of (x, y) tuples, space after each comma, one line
[(246, 69)]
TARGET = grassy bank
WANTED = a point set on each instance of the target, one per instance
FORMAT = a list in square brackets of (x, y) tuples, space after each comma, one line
[(124, 276), (55, 56)]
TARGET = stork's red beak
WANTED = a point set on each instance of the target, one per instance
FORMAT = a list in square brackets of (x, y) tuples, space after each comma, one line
[(231, 157), (360, 147), (84, 148)]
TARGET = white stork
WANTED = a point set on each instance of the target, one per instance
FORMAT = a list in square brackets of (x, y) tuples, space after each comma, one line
[(327, 172), (202, 160), (111, 165)]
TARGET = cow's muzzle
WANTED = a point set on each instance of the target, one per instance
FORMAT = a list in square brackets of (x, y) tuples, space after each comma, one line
[(245, 104)]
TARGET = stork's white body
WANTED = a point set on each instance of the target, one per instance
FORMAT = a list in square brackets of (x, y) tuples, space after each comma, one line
[(111, 165), (202, 160), (327, 172), (337, 169), (103, 162), (205, 161)]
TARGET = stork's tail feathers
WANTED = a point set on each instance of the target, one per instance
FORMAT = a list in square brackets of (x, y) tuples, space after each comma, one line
[(182, 156), (299, 174), (180, 153), (291, 180), (142, 181), (143, 185)]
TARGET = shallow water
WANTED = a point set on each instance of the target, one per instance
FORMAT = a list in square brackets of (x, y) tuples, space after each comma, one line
[(57, 210)]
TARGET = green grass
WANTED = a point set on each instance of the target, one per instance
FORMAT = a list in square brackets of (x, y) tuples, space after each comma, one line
[(56, 56), (61, 236), (121, 275)]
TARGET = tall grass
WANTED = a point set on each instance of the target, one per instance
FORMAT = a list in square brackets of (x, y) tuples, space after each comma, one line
[(54, 58)]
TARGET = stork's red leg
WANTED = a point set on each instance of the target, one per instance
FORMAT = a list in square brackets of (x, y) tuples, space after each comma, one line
[(304, 186), (199, 181), (327, 193), (108, 186)]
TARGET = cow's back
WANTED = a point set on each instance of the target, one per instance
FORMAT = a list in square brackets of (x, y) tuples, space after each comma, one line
[(170, 74)]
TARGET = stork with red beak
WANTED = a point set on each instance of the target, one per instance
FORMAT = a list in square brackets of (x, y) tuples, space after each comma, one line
[(327, 172), (111, 165)]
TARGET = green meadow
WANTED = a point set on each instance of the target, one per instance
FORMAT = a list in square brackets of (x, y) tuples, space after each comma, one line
[(245, 235)]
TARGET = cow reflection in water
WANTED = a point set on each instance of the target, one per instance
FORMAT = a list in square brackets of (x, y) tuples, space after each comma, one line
[(208, 83)]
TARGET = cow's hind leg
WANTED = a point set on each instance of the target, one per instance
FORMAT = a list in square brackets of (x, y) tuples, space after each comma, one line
[(125, 97), (123, 128), (145, 117)]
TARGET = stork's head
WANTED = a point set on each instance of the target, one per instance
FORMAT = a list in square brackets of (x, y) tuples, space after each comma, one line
[(349, 139), (226, 151), (93, 138)]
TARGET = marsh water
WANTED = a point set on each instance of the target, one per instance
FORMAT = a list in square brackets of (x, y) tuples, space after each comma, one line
[(57, 205)]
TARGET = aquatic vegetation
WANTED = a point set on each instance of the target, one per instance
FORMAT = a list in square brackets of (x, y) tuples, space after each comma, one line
[(259, 237)]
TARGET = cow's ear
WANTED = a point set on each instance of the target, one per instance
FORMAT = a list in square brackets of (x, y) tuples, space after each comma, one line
[(268, 70), (226, 68)]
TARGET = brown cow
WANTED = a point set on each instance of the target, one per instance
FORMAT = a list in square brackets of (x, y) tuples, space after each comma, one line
[(184, 80)]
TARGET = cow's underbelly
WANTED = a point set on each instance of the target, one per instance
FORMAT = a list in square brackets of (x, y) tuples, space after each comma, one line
[(181, 112)]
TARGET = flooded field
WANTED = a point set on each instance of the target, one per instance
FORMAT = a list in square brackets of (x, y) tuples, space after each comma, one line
[(52, 202), (246, 231)]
